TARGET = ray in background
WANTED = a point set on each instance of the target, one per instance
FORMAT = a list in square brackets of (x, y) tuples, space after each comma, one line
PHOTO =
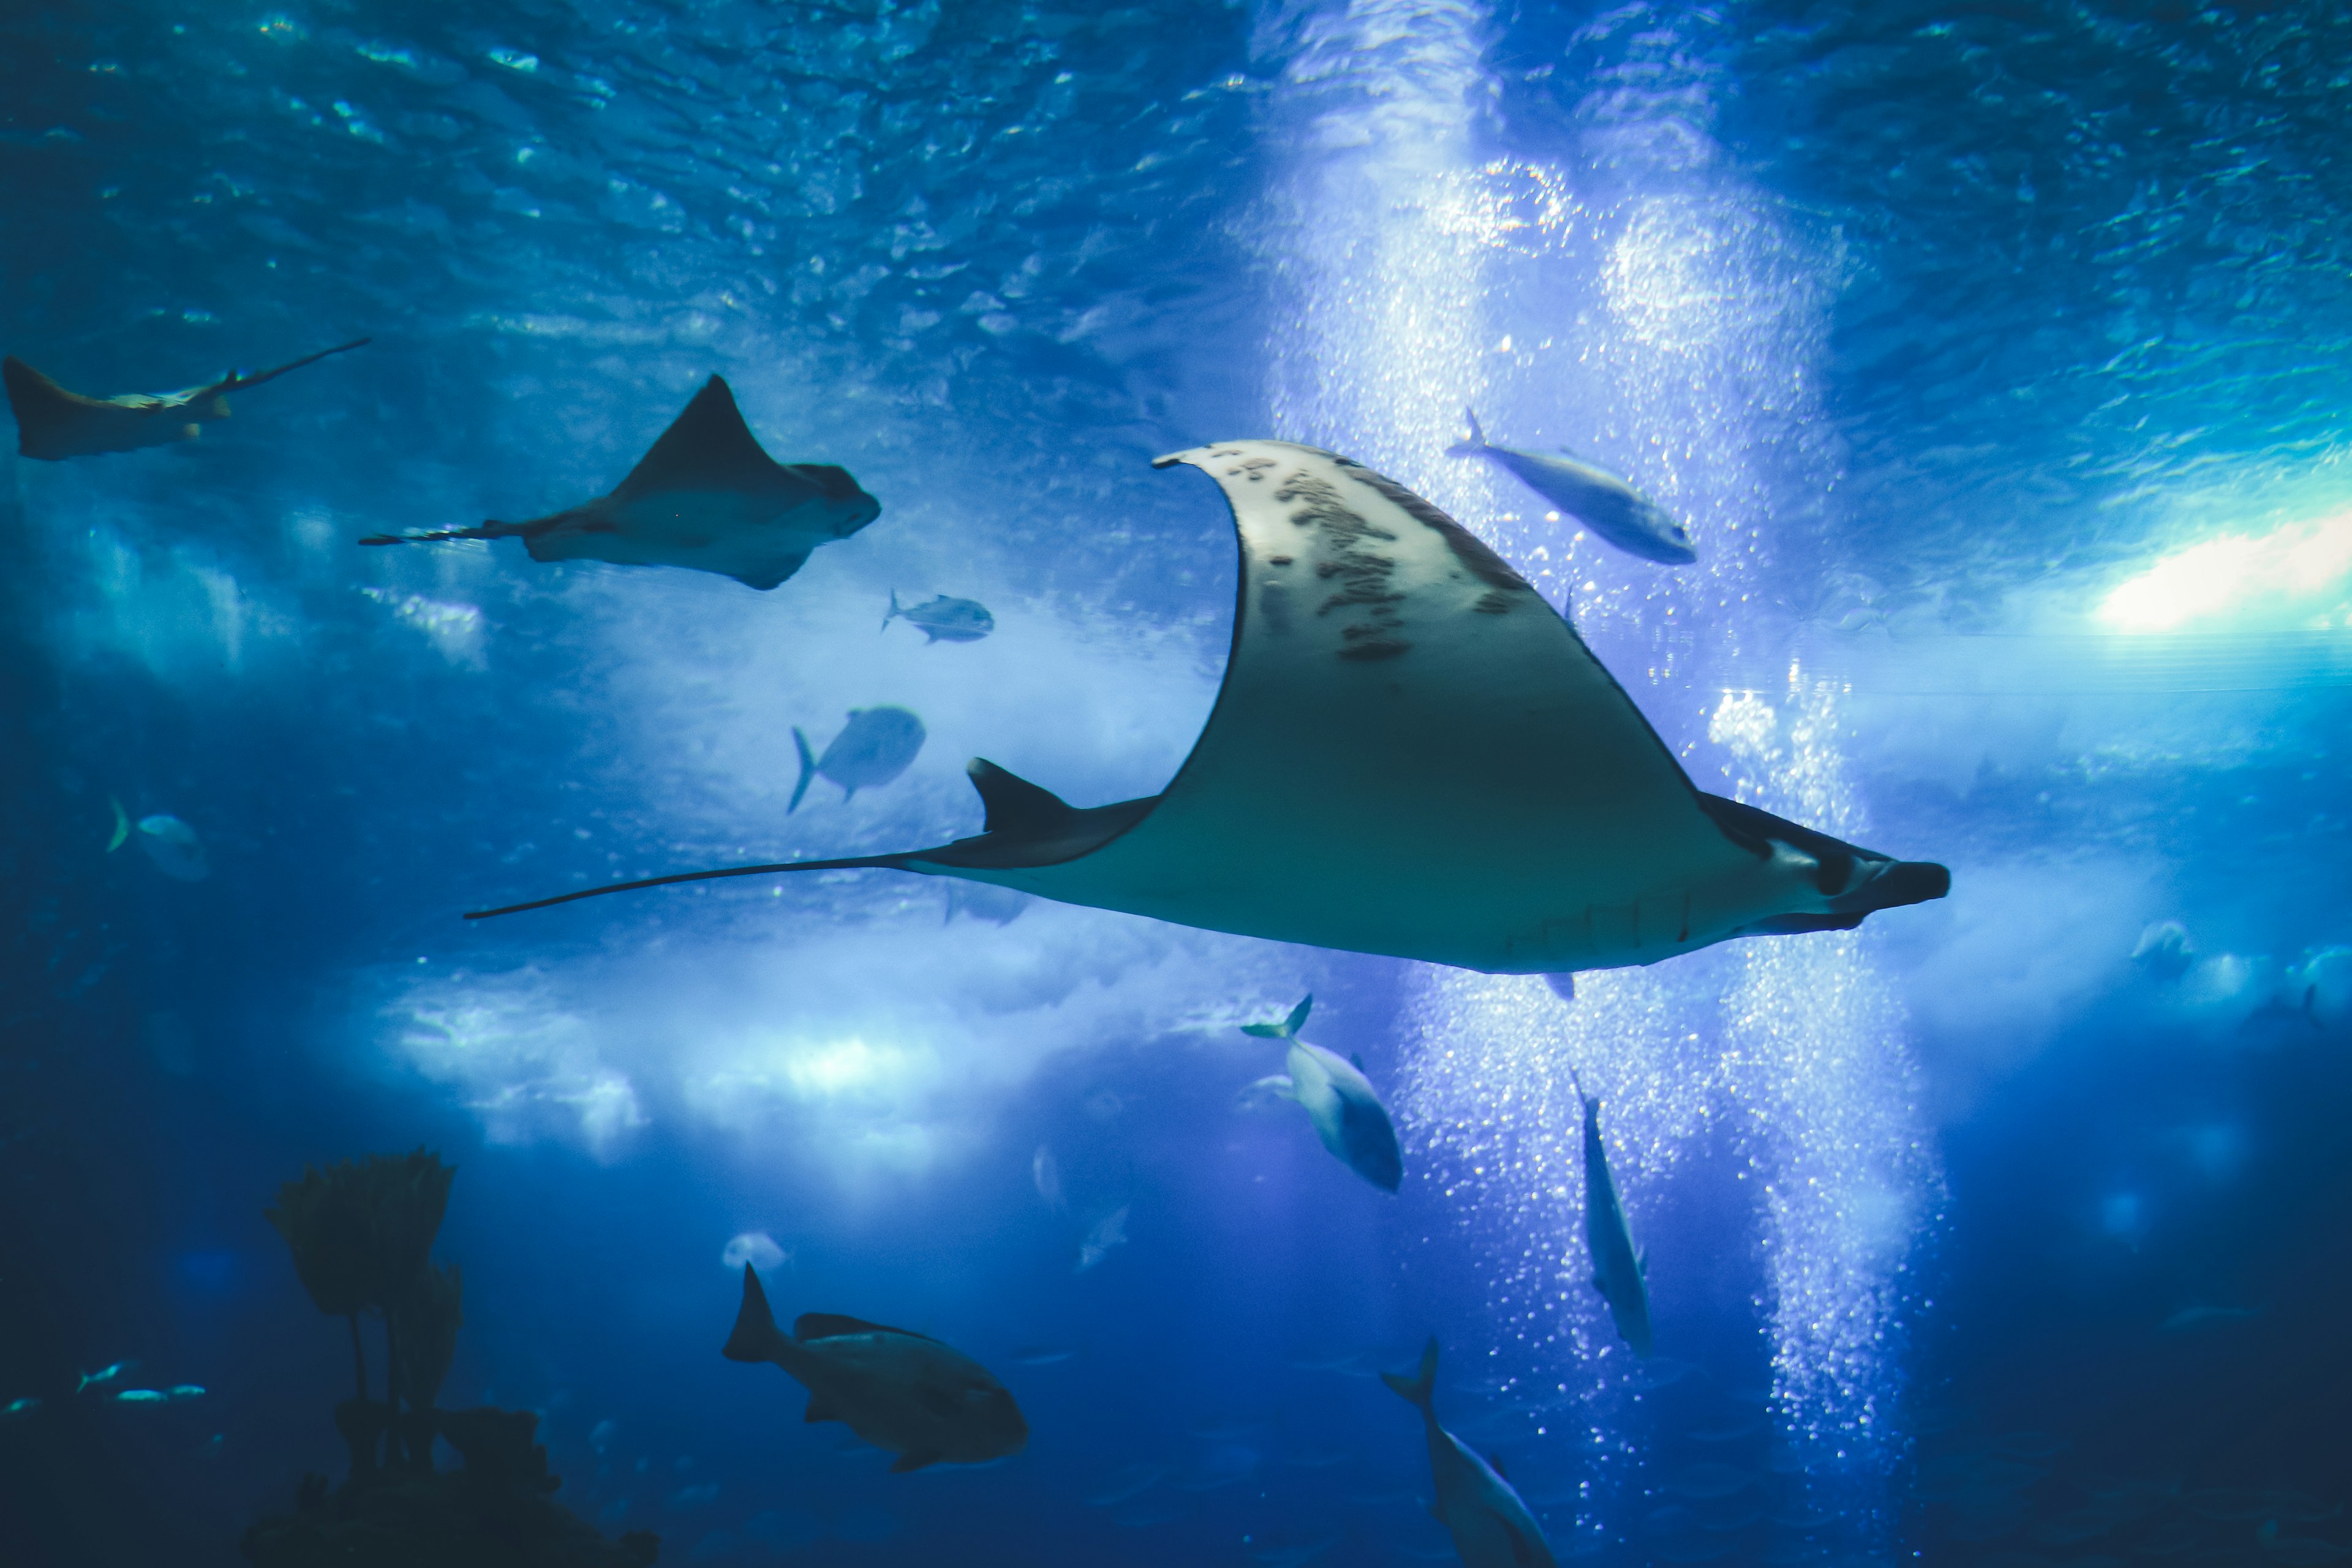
[(1667, 305)]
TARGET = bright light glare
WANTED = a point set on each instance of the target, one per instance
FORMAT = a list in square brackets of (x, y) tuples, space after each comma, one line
[(838, 1069), (2296, 577)]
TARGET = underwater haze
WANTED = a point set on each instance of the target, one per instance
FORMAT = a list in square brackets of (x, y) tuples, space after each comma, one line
[(1995, 366)]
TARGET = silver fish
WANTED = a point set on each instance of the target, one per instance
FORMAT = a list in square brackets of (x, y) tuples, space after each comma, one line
[(876, 746), (943, 619), (1594, 496), (1491, 1527)]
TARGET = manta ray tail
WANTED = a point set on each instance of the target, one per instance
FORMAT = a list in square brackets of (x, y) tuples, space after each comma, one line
[(237, 381), (1475, 444), (756, 1333), (493, 529), (808, 770), (1420, 1388)]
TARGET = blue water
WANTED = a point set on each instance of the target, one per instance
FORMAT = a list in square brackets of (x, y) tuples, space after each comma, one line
[(1970, 1239)]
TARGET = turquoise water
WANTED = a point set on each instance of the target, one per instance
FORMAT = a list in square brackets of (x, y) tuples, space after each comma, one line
[(1994, 360)]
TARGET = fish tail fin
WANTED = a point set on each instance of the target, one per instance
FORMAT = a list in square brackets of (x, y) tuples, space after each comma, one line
[(1476, 442), (1419, 1389), (808, 770), (1288, 1028), (894, 610), (756, 1333)]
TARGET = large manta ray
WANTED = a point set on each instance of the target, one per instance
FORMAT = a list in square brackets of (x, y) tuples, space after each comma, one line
[(1413, 754)]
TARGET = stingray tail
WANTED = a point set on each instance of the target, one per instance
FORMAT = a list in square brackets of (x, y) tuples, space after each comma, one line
[(808, 770), (1420, 1388), (894, 610), (493, 529), (756, 1333), (1475, 444), (237, 381)]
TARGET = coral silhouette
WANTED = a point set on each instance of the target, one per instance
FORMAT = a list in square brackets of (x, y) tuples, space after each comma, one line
[(361, 1236)]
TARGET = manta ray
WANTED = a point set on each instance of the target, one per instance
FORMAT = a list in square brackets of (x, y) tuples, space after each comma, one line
[(1412, 754), (53, 424), (706, 496)]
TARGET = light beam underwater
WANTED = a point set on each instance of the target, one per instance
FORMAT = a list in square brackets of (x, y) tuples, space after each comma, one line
[(1413, 754)]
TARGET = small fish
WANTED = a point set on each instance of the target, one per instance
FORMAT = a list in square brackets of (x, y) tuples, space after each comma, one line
[(876, 746), (105, 1374), (1045, 1175), (53, 424), (1108, 1232), (185, 1391), (904, 1392), (141, 1396), (1491, 1527), (121, 826), (1600, 500), (944, 619), (173, 847), (1619, 1270), (1338, 1100), (17, 1409)]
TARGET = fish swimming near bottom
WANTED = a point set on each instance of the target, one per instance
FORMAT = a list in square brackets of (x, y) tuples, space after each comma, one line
[(1338, 1100), (53, 424), (943, 619), (1619, 1271), (172, 847), (1490, 1526), (876, 746), (897, 1390)]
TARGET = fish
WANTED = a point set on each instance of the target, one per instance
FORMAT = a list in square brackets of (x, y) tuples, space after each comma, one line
[(105, 1374), (185, 1391), (53, 425), (900, 1391), (1411, 756), (1045, 1175), (943, 619), (174, 848), (876, 746), (142, 1396), (1619, 1271), (705, 497), (1107, 1232), (1338, 1100), (1490, 1526), (1604, 503), (17, 1409), (121, 826)]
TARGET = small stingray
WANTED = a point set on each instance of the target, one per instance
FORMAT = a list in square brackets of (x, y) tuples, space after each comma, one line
[(1593, 496), (706, 496), (1414, 755), (943, 619), (876, 746), (53, 424)]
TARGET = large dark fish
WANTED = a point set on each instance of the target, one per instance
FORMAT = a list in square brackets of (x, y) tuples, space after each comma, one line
[(53, 424), (1594, 496), (1490, 1526), (1619, 1271), (1338, 1099), (901, 1391)]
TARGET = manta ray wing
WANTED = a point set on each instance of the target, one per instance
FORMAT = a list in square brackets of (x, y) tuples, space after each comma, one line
[(1414, 754), (709, 448)]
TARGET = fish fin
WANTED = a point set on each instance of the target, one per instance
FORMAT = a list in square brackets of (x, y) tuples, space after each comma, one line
[(894, 610), (121, 826), (1523, 1552), (1495, 1463), (1475, 444), (1288, 1028), (1419, 1388), (1297, 1019), (709, 448), (237, 382), (831, 1325), (1013, 805), (1356, 1061), (756, 1333), (913, 1459), (808, 770), (930, 637)]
